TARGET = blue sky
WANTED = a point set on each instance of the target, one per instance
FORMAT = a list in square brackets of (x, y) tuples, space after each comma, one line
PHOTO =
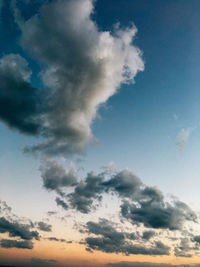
[(151, 126)]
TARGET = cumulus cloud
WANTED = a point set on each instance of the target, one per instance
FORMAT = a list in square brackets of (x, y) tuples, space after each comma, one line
[(16, 229), (124, 183), (185, 248), (109, 240), (1, 4), (86, 192), (55, 176), (141, 204), (20, 228), (62, 240), (61, 203), (182, 138), (9, 243), (44, 226), (81, 68)]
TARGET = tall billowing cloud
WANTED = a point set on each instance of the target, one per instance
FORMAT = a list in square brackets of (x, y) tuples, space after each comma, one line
[(81, 67)]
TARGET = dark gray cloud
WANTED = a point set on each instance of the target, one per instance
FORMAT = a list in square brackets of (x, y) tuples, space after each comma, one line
[(14, 226), (108, 239), (62, 240), (51, 213), (148, 235), (141, 204), (86, 192), (33, 262), (196, 239), (148, 264), (19, 104), (9, 243), (61, 203), (157, 215), (16, 229), (44, 226), (56, 177), (81, 67), (125, 183), (4, 208), (43, 262), (185, 248)]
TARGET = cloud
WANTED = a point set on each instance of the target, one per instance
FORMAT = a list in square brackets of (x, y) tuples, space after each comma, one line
[(158, 215), (9, 243), (81, 68), (184, 249), (19, 104), (182, 138), (4, 208), (148, 235), (125, 183), (44, 226), (141, 204), (20, 228), (55, 176), (86, 192), (59, 240), (51, 213), (148, 264), (61, 203), (175, 116), (197, 238), (109, 240), (16, 229), (43, 262)]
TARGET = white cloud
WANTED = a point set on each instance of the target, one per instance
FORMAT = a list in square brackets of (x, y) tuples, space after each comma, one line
[(82, 67)]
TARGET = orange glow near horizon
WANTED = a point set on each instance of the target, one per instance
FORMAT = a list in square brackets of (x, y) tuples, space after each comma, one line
[(75, 254)]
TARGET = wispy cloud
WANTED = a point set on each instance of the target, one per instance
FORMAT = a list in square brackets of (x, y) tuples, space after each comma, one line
[(182, 138), (82, 67)]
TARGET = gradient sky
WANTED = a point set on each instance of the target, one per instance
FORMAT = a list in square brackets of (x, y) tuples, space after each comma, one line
[(69, 107)]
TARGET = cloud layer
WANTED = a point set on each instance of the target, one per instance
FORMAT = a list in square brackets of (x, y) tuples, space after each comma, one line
[(141, 204), (109, 240)]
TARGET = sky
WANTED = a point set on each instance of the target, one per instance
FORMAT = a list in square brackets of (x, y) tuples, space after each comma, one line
[(100, 128)]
